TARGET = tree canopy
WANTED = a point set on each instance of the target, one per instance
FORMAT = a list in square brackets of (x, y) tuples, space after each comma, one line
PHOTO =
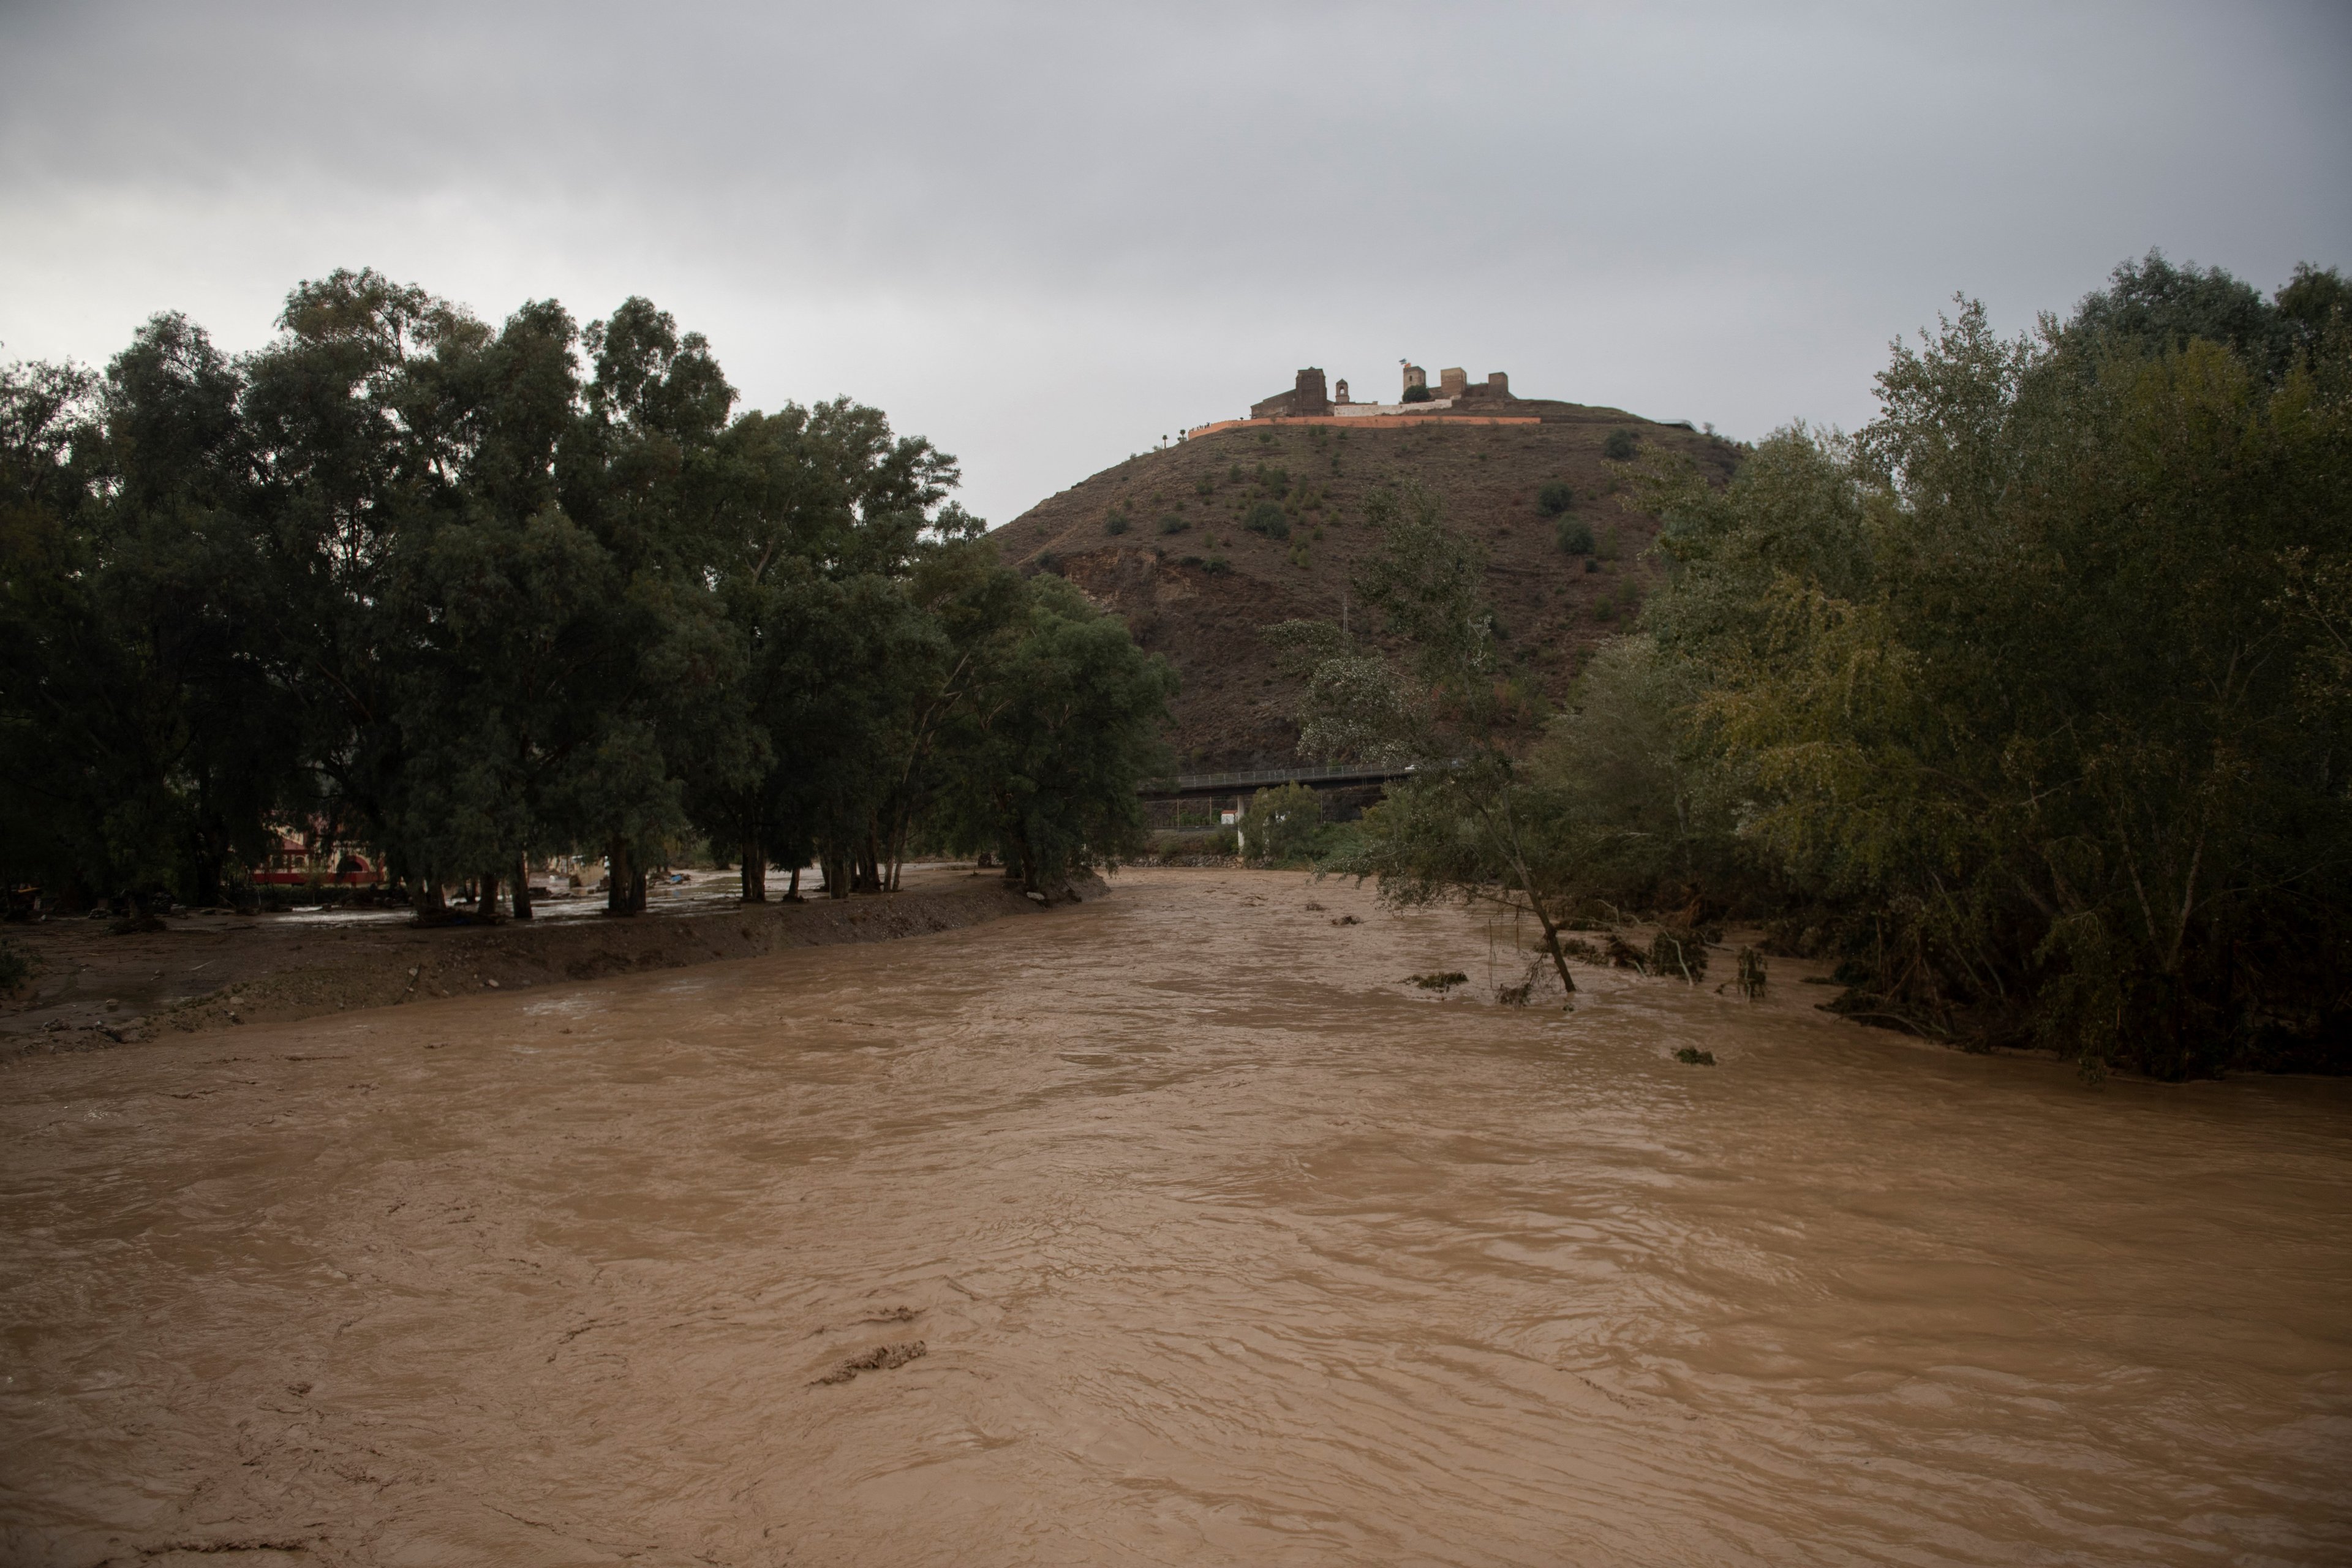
[(476, 594)]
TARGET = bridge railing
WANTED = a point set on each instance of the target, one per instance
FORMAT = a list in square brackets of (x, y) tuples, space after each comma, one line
[(1191, 783)]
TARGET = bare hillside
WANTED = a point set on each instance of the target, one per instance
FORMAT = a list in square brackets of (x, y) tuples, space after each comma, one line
[(1164, 540)]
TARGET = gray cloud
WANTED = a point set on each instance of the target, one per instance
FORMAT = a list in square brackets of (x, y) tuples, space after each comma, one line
[(1046, 235)]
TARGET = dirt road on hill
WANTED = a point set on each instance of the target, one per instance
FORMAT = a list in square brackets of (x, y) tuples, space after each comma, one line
[(1171, 1228)]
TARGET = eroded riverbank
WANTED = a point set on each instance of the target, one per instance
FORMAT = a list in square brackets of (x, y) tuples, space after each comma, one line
[(94, 989), (1220, 1245)]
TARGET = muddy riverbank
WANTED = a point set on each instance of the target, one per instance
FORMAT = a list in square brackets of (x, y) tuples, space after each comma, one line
[(1175, 1227), (94, 989)]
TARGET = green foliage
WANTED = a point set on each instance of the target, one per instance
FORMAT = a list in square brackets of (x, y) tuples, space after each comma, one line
[(1062, 726), (1171, 523), (469, 594), (1267, 517), (1555, 498), (1575, 536), (1115, 523), (1417, 394), (1619, 446), (2034, 669), (1280, 823)]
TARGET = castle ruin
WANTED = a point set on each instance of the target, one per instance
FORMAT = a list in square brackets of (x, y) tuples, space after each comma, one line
[(1307, 399)]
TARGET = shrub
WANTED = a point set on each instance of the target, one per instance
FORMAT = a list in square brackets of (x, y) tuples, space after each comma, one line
[(1275, 482), (1215, 565), (1280, 823), (1115, 523), (1555, 498), (1171, 523), (1678, 955), (1592, 564), (1620, 445), (1206, 487), (1050, 563), (14, 968), (1298, 557), (1267, 517), (1575, 536), (1416, 394)]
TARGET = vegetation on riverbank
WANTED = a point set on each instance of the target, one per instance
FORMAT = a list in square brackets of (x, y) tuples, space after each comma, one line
[(2030, 701), (469, 596)]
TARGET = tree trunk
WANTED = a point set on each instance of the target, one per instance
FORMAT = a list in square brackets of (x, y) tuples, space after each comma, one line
[(486, 898), (755, 869), (792, 892), (522, 888), (424, 898), (870, 865), (208, 878), (638, 892), (617, 878)]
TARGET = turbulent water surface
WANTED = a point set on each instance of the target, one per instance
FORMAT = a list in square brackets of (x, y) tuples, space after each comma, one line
[(1218, 1245)]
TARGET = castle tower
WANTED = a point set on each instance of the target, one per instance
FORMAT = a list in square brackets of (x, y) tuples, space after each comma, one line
[(1453, 382), (1339, 392), (1415, 376), (1309, 398)]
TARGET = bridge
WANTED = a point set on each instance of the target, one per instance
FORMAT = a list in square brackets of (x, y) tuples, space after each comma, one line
[(1316, 775)]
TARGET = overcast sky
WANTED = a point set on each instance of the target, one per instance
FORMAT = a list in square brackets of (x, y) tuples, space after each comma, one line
[(1046, 235)]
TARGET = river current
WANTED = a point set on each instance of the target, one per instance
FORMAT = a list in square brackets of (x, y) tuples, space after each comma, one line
[(1173, 1228)]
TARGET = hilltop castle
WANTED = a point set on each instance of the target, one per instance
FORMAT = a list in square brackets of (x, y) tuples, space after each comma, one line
[(1307, 399)]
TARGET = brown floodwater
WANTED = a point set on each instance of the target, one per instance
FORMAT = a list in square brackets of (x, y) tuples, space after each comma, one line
[(1220, 1244)]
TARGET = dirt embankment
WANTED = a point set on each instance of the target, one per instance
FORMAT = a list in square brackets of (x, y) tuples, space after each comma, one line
[(92, 989)]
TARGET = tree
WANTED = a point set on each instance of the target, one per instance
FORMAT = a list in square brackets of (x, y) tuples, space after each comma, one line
[(1280, 823), (1471, 823), (2031, 671), (1062, 726)]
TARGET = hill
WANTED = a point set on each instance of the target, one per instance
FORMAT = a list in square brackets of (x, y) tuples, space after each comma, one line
[(1164, 540)]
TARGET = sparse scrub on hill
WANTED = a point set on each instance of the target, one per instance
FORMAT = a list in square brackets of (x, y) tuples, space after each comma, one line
[(1555, 498), (1574, 536), (1621, 445), (1172, 523), (1115, 523), (1268, 517)]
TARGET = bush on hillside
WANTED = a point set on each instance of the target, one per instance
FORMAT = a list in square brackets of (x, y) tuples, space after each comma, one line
[(1115, 523), (1555, 499), (1575, 536), (1620, 445), (1171, 523), (1267, 517)]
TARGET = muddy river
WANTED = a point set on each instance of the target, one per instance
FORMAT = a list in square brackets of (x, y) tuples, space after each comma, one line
[(1171, 1228)]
